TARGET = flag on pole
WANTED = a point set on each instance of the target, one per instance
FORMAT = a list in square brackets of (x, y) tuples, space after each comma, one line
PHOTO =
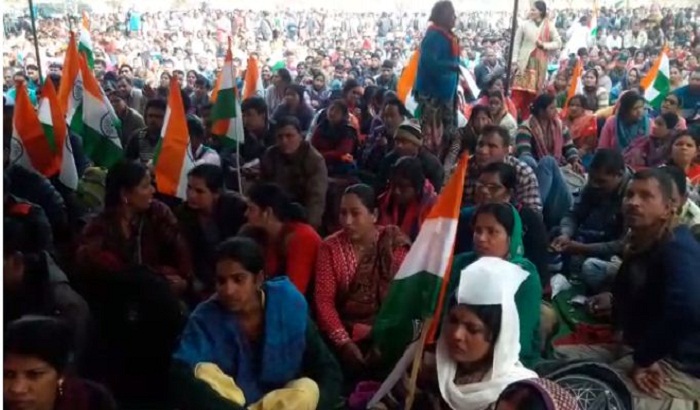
[(252, 85), (85, 42), (226, 112), (54, 123), (404, 87), (100, 123), (417, 291), (173, 159), (69, 74), (657, 83), (30, 146), (593, 23), (576, 82)]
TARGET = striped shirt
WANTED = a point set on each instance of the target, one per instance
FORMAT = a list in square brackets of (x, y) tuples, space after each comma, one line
[(527, 190)]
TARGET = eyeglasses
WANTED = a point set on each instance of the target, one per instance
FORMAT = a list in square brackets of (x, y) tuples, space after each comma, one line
[(491, 188)]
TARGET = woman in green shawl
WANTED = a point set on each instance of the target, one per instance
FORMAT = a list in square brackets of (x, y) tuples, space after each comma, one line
[(498, 233)]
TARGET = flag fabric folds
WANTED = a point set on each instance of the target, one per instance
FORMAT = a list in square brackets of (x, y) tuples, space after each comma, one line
[(417, 289), (85, 42), (91, 115), (404, 87), (54, 123), (227, 121), (252, 86), (30, 146), (173, 159), (657, 83)]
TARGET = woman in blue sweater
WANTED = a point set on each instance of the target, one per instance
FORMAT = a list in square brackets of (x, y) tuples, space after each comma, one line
[(438, 74)]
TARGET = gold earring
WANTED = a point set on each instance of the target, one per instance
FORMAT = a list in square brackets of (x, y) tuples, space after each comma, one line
[(60, 387)]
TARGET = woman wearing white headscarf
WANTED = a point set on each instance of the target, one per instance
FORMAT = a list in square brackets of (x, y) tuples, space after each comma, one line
[(478, 348)]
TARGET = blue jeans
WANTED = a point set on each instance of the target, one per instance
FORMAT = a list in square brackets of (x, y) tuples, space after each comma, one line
[(597, 273), (554, 191)]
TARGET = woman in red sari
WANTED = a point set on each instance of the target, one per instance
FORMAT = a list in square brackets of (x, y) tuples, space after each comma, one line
[(534, 40), (354, 269)]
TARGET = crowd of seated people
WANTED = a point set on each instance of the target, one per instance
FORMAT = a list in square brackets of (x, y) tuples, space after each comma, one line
[(577, 242)]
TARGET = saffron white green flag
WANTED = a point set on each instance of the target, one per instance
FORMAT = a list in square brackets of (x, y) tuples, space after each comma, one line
[(54, 123), (91, 115), (85, 42), (226, 112), (657, 83), (415, 293)]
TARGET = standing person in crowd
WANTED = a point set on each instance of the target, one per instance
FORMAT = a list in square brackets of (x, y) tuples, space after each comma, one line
[(298, 168), (533, 42), (437, 78)]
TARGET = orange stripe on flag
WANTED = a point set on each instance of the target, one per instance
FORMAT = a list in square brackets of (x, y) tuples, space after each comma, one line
[(447, 206), (71, 67), (252, 74), (58, 118), (648, 80), (29, 130), (408, 77), (174, 143), (90, 83)]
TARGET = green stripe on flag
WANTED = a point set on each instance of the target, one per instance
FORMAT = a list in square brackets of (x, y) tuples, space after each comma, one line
[(103, 152), (225, 106), (89, 57), (50, 137), (396, 324), (663, 86)]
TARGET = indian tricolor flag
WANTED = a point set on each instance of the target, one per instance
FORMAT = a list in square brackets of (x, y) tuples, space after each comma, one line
[(575, 85), (657, 83), (404, 87), (418, 289), (30, 146), (593, 23), (173, 159), (252, 84), (226, 112), (100, 123), (70, 74), (85, 42), (54, 123)]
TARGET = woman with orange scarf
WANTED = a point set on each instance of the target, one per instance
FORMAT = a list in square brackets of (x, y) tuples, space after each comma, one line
[(534, 39), (583, 127)]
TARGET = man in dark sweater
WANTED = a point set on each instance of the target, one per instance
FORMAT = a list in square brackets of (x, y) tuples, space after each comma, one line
[(655, 306)]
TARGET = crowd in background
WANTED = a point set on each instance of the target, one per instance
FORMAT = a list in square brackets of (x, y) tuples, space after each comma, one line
[(579, 226)]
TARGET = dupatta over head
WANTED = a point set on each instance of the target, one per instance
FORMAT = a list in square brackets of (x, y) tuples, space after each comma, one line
[(488, 281)]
